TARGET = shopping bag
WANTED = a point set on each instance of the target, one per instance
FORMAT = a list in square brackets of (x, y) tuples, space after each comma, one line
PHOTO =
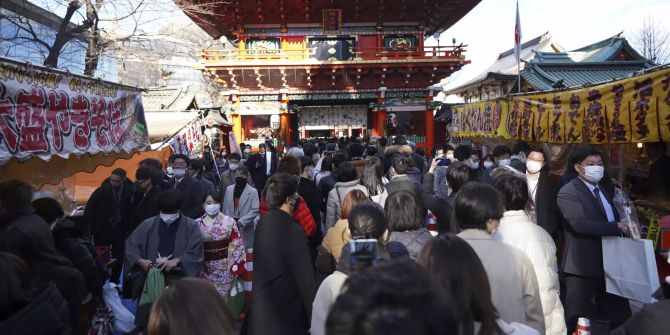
[(630, 268), (235, 298), (124, 320), (102, 322), (153, 286)]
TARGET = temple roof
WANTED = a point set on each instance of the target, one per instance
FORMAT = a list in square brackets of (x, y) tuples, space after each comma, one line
[(168, 99), (505, 65), (598, 62), (225, 17)]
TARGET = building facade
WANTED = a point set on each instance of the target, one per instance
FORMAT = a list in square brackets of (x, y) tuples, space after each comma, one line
[(332, 68)]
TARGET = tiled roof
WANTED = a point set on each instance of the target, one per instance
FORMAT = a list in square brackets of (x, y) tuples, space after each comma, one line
[(505, 65), (158, 99), (545, 76)]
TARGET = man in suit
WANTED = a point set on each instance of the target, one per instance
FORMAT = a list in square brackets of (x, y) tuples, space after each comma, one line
[(191, 189), (196, 170), (399, 179), (589, 215), (262, 166), (241, 203), (501, 156)]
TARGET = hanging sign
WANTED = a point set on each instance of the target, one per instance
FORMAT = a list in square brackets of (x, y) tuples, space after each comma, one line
[(188, 140), (44, 112)]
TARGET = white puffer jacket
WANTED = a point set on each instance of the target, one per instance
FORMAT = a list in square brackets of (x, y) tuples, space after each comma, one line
[(517, 230)]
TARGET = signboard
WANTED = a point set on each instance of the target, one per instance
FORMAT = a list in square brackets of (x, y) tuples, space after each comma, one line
[(188, 139), (635, 109), (332, 21), (262, 46), (45, 113), (485, 119)]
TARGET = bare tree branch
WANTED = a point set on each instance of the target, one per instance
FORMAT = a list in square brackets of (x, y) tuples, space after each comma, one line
[(653, 41)]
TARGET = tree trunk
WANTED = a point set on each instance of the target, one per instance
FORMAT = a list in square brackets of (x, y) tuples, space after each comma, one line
[(94, 48), (62, 36)]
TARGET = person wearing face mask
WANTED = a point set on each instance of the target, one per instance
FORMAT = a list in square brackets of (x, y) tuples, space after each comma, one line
[(228, 176), (192, 189), (519, 156), (169, 241), (262, 165), (242, 204), (107, 213), (589, 214), (145, 199), (542, 191), (283, 273), (223, 245), (501, 157), (514, 289)]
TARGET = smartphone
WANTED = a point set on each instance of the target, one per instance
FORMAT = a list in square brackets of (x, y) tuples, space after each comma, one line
[(363, 252)]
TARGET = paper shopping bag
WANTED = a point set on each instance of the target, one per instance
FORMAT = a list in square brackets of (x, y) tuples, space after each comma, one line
[(630, 268)]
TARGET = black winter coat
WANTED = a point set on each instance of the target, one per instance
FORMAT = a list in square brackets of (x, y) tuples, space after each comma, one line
[(99, 209), (143, 206), (80, 251), (194, 193), (283, 277), (546, 209), (312, 197), (439, 206), (47, 314)]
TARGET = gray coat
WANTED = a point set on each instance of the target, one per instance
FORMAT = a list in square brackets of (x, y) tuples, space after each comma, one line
[(514, 288), (413, 240), (249, 211), (143, 244), (335, 198)]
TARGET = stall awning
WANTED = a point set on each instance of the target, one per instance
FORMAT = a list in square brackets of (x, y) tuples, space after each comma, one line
[(163, 124)]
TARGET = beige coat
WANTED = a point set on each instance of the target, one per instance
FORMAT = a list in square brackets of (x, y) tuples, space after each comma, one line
[(336, 237)]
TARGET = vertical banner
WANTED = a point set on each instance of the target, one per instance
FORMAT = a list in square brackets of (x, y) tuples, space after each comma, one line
[(594, 118), (512, 120), (574, 120), (527, 120), (663, 86), (643, 107), (556, 120), (618, 115)]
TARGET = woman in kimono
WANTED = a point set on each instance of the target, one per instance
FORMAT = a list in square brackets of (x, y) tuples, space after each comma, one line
[(224, 245)]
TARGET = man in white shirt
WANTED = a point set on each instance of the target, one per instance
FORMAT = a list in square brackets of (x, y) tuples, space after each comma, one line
[(262, 166)]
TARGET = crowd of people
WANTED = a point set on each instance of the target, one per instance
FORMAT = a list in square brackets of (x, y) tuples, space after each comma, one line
[(348, 237)]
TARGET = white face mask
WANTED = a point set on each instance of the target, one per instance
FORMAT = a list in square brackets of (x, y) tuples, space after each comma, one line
[(594, 173), (234, 166), (504, 162), (179, 172), (450, 156), (246, 151), (474, 165), (212, 209), (488, 164), (533, 166), (169, 218), (169, 170)]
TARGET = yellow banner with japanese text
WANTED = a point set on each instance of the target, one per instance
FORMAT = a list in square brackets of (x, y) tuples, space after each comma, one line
[(635, 109)]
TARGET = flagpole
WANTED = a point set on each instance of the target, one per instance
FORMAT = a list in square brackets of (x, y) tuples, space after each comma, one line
[(517, 45)]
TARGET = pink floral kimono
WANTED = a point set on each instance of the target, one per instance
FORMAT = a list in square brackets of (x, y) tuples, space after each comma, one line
[(224, 251)]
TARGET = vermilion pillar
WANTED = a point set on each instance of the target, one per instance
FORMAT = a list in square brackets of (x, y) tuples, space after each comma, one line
[(237, 127), (381, 122), (285, 127)]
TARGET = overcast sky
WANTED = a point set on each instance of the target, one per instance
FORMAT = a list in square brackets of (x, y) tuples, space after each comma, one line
[(489, 28)]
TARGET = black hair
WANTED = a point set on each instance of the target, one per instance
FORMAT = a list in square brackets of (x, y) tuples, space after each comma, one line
[(372, 175), (383, 141), (501, 150), (421, 152), (453, 264), (346, 173), (183, 157), (290, 165), (15, 194), (371, 150), (170, 201), (514, 190), (475, 204), (404, 212), (310, 149), (306, 161), (327, 164), (401, 164), (197, 164), (215, 195), (400, 140), (544, 154), (262, 145), (242, 169), (579, 155), (338, 158), (235, 156), (148, 172), (521, 146), (48, 209), (459, 174), (448, 147), (15, 290), (393, 297), (366, 220), (279, 187), (120, 172), (356, 150), (462, 152), (154, 163)]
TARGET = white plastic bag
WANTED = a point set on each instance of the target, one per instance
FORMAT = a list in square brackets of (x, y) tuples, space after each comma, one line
[(124, 320), (630, 268)]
